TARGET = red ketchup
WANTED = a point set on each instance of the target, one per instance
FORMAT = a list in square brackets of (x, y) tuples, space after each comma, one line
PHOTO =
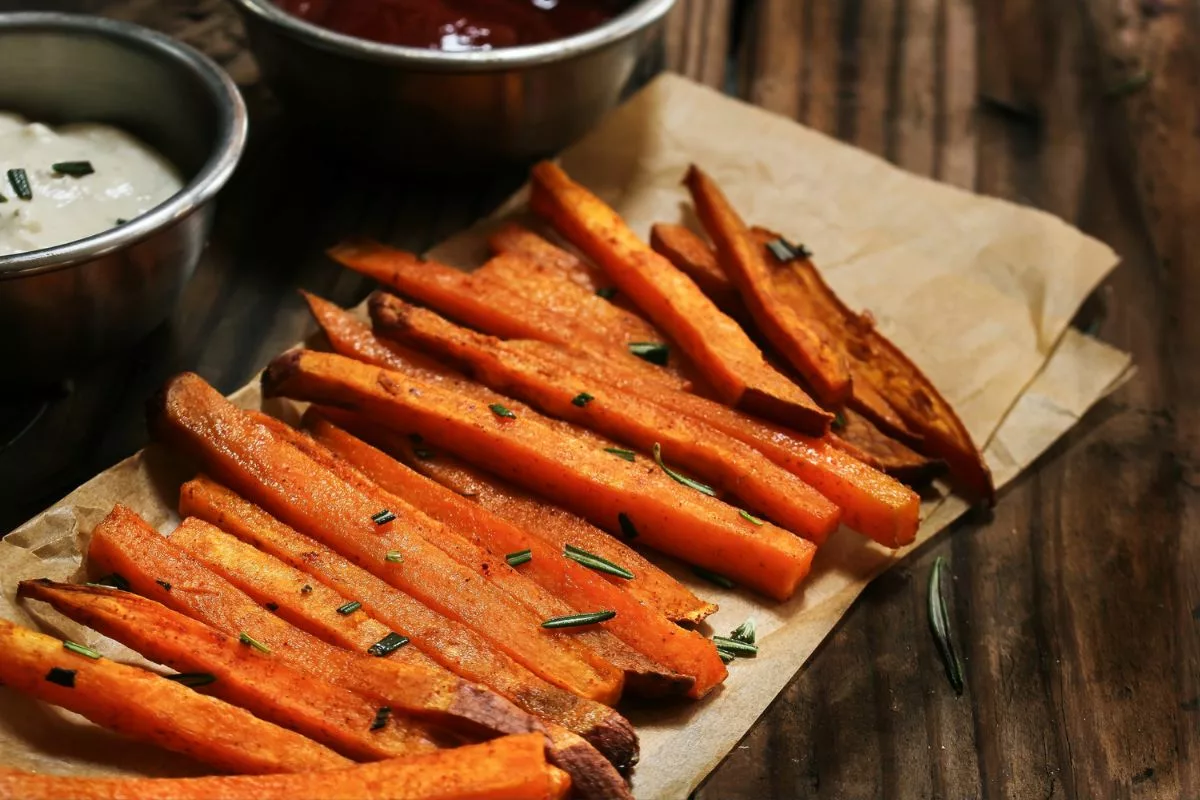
[(456, 25)]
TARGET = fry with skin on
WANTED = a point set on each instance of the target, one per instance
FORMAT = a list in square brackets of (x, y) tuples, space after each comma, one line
[(569, 469), (717, 345), (266, 687), (148, 707), (858, 437), (511, 768), (693, 256)]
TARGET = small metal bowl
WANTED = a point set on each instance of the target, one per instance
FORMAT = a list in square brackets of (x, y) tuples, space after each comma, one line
[(445, 111), (66, 305)]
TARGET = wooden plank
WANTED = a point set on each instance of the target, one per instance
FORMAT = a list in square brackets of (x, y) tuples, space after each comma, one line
[(697, 40)]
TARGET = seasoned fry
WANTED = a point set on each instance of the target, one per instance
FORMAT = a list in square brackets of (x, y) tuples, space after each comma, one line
[(150, 708), (638, 625), (858, 437), (264, 686), (572, 470), (453, 645), (710, 455), (510, 768), (293, 487), (803, 341), (717, 345), (516, 239), (693, 256), (650, 584)]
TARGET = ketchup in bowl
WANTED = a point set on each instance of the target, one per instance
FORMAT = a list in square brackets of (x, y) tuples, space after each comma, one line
[(456, 25)]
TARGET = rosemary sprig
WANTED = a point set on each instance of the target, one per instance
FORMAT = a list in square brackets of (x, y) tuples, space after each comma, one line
[(582, 399), (349, 608), (383, 517), (939, 624), (593, 561), (685, 480), (621, 452), (387, 645), (193, 679), (394, 557), (575, 620), (501, 411), (784, 251), (736, 646), (518, 558), (745, 632), (81, 649), (247, 639), (654, 352), (746, 515), (713, 577)]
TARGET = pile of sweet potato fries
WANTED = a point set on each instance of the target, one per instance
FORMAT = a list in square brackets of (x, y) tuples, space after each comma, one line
[(438, 573)]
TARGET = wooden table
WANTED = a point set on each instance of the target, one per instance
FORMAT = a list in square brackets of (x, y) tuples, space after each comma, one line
[(1076, 601)]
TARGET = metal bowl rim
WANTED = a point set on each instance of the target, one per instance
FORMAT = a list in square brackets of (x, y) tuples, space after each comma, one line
[(212, 175), (638, 17)]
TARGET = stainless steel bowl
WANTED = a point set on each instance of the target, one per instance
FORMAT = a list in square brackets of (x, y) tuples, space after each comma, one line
[(436, 110), (66, 305)]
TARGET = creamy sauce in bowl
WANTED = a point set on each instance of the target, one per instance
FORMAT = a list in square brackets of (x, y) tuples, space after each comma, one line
[(126, 179)]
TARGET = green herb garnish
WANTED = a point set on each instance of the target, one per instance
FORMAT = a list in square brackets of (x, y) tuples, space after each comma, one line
[(736, 646), (748, 516), (654, 352), (582, 399), (3, 199), (383, 517), (246, 638), (745, 632), (19, 180), (726, 656), (193, 679), (381, 718), (166, 586), (75, 169), (784, 251), (349, 608), (62, 677), (306, 589), (80, 649), (518, 558), (686, 481), (713, 577), (501, 411), (627, 529), (607, 292), (619, 452), (121, 220), (575, 620), (939, 623), (593, 561), (387, 645), (839, 421), (394, 557)]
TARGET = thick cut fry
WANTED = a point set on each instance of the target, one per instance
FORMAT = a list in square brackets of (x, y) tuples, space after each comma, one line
[(511, 768), (702, 450), (803, 341), (720, 349), (858, 437), (405, 681), (453, 645), (692, 256), (650, 584), (148, 707), (639, 625), (523, 447), (516, 239), (264, 686), (871, 502), (293, 487)]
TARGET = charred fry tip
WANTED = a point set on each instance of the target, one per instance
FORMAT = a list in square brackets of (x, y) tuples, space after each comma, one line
[(279, 371)]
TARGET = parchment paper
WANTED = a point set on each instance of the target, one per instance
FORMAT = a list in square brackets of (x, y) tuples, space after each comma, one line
[(977, 291)]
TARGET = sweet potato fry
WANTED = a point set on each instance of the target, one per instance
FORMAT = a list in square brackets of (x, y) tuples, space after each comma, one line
[(511, 768), (720, 349), (145, 706), (710, 455), (515, 239), (668, 516), (266, 687), (639, 625), (293, 487), (693, 256), (650, 584), (858, 437), (455, 645), (406, 681)]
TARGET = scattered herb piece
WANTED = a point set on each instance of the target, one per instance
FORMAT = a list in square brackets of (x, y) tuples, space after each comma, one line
[(246, 638), (423, 453), (81, 649), (619, 452), (518, 558), (593, 561), (394, 556), (193, 679), (62, 677), (349, 608), (272, 607), (582, 399), (501, 411), (306, 589), (686, 481), (785, 251), (726, 656), (839, 421), (387, 645), (607, 292), (745, 632), (654, 352), (381, 718), (736, 646), (166, 586), (748, 516), (575, 620), (3, 199), (121, 220), (627, 529), (19, 180), (939, 623), (76, 169), (713, 577), (383, 517), (113, 581)]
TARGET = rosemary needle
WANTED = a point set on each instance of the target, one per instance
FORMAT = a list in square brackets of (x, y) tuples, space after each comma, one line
[(939, 624)]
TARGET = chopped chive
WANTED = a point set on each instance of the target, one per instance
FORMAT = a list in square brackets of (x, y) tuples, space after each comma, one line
[(736, 646), (518, 558), (80, 649), (272, 607), (246, 638), (748, 516), (423, 453), (381, 718), (627, 529), (593, 561), (839, 421), (62, 677), (19, 180), (745, 632), (113, 581), (394, 556), (607, 292), (387, 645), (383, 517), (166, 586), (785, 251), (121, 220), (306, 589), (654, 352), (939, 623), (619, 452), (193, 679), (75, 169), (501, 411), (349, 608), (582, 399), (575, 620), (686, 481), (713, 577), (726, 656)]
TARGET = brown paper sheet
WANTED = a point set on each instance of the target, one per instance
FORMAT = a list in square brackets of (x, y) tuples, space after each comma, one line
[(978, 291)]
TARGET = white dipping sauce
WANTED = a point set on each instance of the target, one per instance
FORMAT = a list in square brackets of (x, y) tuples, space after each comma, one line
[(129, 180)]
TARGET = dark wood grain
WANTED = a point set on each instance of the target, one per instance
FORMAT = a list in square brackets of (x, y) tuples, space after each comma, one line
[(1076, 601)]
